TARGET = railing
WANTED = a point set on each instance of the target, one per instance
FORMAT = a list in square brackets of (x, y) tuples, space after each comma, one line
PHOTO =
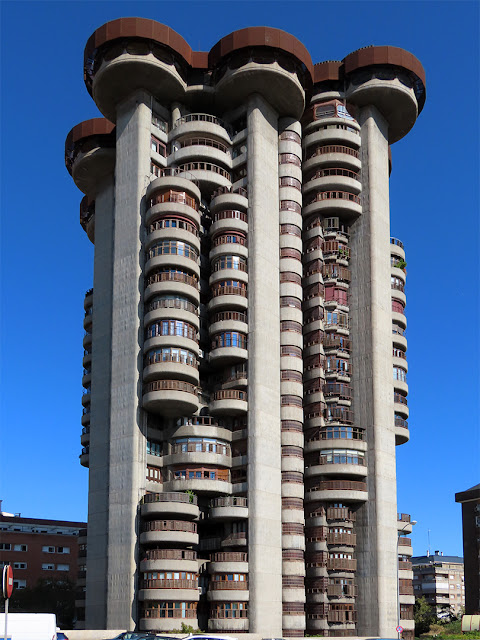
[(288, 181), (403, 517), (339, 413), (170, 303), (234, 538), (291, 425), (218, 448), (342, 538), (340, 513), (236, 316), (156, 612), (342, 616), (229, 238), (230, 214), (397, 242), (342, 590), (398, 353), (170, 385), (179, 224), (404, 541), (290, 135), (169, 525), (201, 117), (172, 248), (222, 190), (204, 142), (169, 584), (170, 554), (238, 585), (404, 590), (400, 422), (335, 148), (333, 341), (339, 485), (405, 564), (229, 556), (397, 397), (172, 277), (335, 195), (341, 564), (228, 501), (223, 614), (227, 290), (397, 331), (342, 459), (159, 358), (172, 172), (323, 173), (230, 394), (169, 496), (206, 166), (289, 158)]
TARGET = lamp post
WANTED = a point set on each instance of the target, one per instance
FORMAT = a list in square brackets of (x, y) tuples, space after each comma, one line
[(399, 533)]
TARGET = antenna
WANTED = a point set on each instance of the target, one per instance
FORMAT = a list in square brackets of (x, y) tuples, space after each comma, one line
[(428, 533)]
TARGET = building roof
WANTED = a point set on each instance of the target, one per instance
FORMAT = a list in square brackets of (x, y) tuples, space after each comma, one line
[(40, 521), (436, 558), (469, 494)]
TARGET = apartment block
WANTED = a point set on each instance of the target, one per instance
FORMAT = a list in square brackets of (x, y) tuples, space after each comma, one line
[(440, 580), (245, 372), (39, 549)]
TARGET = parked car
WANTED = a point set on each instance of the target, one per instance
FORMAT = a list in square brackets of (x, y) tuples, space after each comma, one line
[(61, 636)]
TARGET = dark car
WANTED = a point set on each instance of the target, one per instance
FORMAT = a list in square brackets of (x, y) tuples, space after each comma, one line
[(61, 636)]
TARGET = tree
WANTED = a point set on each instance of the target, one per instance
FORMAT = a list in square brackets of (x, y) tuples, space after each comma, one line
[(47, 596), (424, 615)]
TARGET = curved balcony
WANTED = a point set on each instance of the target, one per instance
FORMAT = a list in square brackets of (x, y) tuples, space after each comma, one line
[(228, 508), (228, 198), (85, 456), (89, 158), (402, 433), (343, 203), (169, 504), (161, 618), (202, 125), (204, 149), (174, 254), (200, 479), (229, 401), (347, 462), (169, 532), (332, 132), (169, 559), (165, 590), (227, 243), (228, 561), (209, 175), (170, 362), (170, 397), (229, 617), (400, 405), (228, 321), (171, 281), (333, 178), (173, 193), (174, 307), (169, 227), (228, 347), (337, 491), (333, 156), (199, 452), (229, 220), (228, 294)]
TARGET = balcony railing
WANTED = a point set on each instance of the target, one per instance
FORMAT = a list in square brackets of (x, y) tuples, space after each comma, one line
[(170, 496), (170, 554), (169, 584), (396, 242), (169, 525), (339, 485), (400, 422), (206, 166), (170, 385), (230, 214), (341, 564), (201, 117), (222, 190), (335, 148), (228, 501), (335, 195), (229, 556)]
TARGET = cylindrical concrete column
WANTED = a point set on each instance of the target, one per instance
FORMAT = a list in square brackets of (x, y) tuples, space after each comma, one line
[(98, 496), (264, 435), (127, 442), (371, 323)]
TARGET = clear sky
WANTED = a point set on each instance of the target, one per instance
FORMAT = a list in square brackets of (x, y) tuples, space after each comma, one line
[(47, 259)]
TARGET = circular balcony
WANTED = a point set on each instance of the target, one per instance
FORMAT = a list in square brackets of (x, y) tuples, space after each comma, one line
[(169, 532), (228, 561), (169, 559), (332, 179), (228, 508), (202, 480), (155, 618), (85, 457), (331, 132), (173, 192), (169, 504), (170, 282), (228, 590), (171, 362), (167, 228), (171, 307), (172, 254), (334, 155), (226, 295), (169, 589), (229, 402), (227, 220), (201, 453), (228, 321), (229, 621), (343, 203), (201, 125), (205, 149), (210, 176), (170, 397), (226, 198)]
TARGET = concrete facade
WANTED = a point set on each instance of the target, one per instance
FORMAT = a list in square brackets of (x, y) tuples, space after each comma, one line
[(240, 417)]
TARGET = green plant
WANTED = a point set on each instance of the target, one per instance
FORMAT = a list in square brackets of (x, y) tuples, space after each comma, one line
[(191, 495)]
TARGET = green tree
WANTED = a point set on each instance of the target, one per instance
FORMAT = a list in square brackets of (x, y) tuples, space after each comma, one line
[(47, 596), (424, 615)]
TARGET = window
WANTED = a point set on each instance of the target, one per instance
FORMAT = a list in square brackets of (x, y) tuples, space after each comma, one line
[(399, 374), (5, 546), (159, 122), (19, 565), (63, 567), (19, 584), (158, 146), (20, 547), (63, 549), (47, 566), (48, 549)]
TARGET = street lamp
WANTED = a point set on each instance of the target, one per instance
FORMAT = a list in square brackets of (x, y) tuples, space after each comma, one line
[(399, 533)]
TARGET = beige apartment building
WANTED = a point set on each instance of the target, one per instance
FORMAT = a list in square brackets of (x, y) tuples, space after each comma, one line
[(245, 352), (440, 579)]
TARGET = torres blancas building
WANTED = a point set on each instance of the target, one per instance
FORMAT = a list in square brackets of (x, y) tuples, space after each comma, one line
[(245, 368)]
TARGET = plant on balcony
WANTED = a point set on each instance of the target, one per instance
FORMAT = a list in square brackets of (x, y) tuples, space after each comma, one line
[(191, 495)]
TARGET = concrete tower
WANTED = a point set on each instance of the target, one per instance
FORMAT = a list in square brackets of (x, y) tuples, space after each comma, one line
[(240, 415)]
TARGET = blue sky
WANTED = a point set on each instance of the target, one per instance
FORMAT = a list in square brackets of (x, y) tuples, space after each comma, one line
[(47, 259)]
